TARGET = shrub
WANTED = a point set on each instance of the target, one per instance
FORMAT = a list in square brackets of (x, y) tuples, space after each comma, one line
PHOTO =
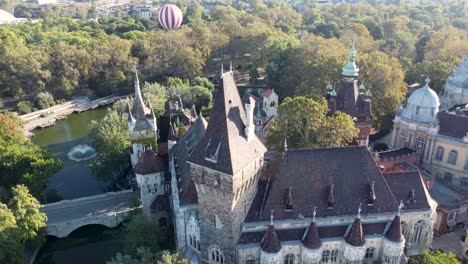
[(44, 100), (24, 107)]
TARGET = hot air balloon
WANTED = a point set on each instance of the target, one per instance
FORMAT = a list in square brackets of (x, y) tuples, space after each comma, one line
[(170, 17)]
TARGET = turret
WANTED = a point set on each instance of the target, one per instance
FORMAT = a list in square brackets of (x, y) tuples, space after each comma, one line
[(311, 249), (354, 248), (394, 241), (270, 245)]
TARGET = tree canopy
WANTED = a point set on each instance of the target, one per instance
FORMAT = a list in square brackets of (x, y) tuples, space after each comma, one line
[(435, 257), (304, 123)]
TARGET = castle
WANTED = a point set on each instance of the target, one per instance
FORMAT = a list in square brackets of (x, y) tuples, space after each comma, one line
[(323, 205)]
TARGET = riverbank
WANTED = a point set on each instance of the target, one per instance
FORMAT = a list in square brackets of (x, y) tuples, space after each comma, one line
[(49, 116)]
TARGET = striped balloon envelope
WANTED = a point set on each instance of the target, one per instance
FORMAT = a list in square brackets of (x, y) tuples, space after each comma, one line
[(170, 17)]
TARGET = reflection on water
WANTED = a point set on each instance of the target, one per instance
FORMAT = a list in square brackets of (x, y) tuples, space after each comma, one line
[(92, 244), (71, 135)]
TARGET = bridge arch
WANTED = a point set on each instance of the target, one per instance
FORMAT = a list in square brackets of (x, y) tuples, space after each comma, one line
[(65, 229)]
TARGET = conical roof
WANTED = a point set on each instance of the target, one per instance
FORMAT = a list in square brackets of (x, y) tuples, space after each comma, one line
[(312, 239), (350, 69), (394, 231), (270, 242), (356, 236), (140, 110)]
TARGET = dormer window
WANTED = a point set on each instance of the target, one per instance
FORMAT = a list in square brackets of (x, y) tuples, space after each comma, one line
[(289, 199), (331, 197)]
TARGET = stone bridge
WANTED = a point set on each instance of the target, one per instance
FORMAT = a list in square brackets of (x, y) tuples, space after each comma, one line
[(108, 209)]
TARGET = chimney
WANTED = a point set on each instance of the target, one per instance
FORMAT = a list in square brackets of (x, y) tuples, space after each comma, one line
[(249, 126)]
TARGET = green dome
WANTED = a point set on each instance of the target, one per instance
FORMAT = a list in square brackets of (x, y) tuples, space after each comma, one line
[(350, 69)]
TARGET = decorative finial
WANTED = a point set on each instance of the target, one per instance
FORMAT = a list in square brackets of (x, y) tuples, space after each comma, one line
[(400, 207), (359, 212), (222, 70), (329, 87), (271, 217), (313, 215), (230, 66), (285, 145), (428, 80), (362, 87)]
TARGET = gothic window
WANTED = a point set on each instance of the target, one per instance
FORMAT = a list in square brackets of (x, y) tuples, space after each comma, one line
[(452, 158), (417, 110), (149, 188), (369, 254), (325, 256), (272, 104), (155, 190), (216, 255), (448, 178), (334, 256), (289, 259), (191, 241), (417, 231), (440, 153), (387, 259), (403, 139), (420, 144)]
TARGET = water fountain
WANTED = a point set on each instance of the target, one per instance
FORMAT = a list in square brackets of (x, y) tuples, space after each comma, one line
[(81, 152)]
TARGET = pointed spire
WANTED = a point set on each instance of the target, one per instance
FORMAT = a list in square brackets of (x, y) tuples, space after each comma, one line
[(314, 214), (329, 87), (350, 69), (355, 236), (362, 87), (333, 92), (311, 239), (130, 116), (285, 144), (359, 212), (222, 70), (368, 93), (230, 66), (140, 110), (270, 242), (394, 231)]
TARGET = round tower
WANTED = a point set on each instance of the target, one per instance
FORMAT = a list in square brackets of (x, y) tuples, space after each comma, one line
[(270, 252), (355, 246), (311, 249)]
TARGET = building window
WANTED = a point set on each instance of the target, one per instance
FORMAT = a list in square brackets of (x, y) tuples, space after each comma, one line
[(403, 139), (289, 259), (464, 182), (448, 178), (250, 260), (420, 144), (466, 163), (452, 158), (417, 231), (451, 216), (216, 255), (325, 256), (334, 256), (439, 153), (369, 257)]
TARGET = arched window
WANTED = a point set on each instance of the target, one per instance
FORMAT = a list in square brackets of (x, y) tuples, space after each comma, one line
[(369, 257), (439, 153), (216, 255), (452, 158), (325, 256), (417, 231), (272, 104), (289, 259), (191, 240), (420, 144), (334, 256)]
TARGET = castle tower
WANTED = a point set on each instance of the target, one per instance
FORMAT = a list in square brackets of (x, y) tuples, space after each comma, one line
[(311, 250), (270, 252), (355, 246), (142, 125), (353, 100), (394, 241), (225, 167)]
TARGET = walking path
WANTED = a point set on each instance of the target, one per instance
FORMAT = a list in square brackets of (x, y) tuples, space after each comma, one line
[(47, 117)]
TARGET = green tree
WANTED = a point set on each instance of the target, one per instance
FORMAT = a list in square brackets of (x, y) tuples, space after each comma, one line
[(204, 82), (305, 124), (145, 256), (157, 96), (435, 257), (11, 248), (26, 210), (111, 140), (141, 232)]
